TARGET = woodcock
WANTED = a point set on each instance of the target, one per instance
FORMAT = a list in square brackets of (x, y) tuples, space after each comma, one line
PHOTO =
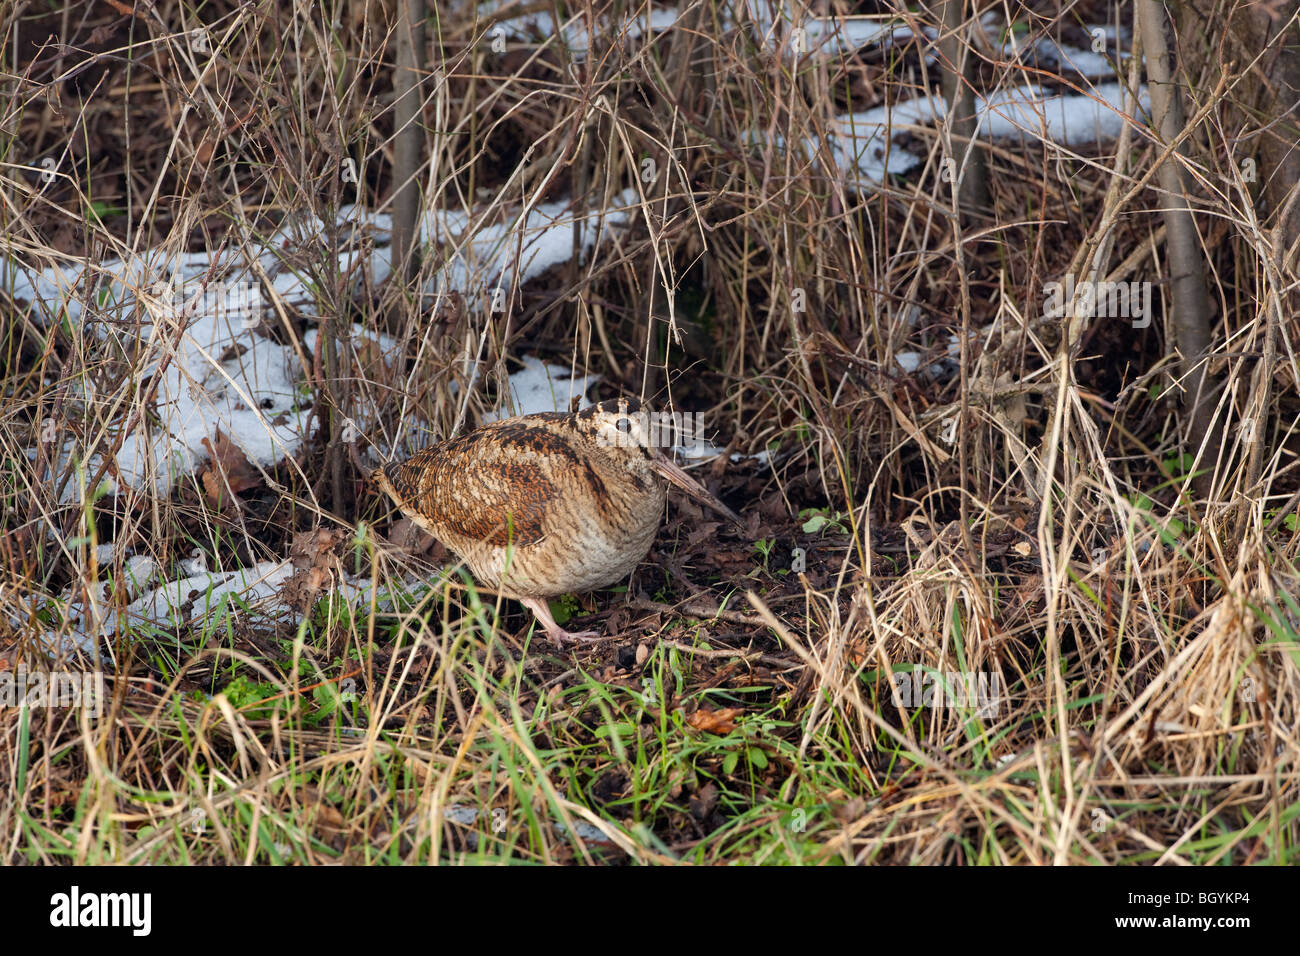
[(543, 505)]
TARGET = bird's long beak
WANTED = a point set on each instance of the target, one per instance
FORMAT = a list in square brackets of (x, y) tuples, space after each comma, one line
[(670, 470)]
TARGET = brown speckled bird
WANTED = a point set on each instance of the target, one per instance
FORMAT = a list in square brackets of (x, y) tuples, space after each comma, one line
[(542, 505)]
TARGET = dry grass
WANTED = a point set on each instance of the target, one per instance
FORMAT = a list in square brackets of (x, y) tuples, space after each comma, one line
[(1026, 515)]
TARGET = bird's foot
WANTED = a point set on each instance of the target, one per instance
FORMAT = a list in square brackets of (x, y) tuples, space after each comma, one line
[(558, 635)]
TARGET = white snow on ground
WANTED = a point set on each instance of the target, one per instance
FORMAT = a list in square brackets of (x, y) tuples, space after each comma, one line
[(165, 605), (140, 571), (573, 32), (1047, 53), (542, 387), (776, 20), (198, 284), (189, 600), (218, 378), (832, 35), (909, 362), (861, 148), (219, 373), (203, 285), (386, 343), (861, 141), (171, 604), (941, 370), (1069, 120), (491, 256), (772, 21)]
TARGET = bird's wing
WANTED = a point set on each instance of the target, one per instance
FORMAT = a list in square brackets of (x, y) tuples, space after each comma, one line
[(498, 485)]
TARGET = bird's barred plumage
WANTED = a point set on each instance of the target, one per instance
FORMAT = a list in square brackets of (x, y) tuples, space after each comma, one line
[(536, 505)]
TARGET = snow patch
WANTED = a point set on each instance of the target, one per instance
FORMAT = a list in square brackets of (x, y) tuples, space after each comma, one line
[(198, 316), (496, 256), (861, 147), (574, 33), (542, 387), (169, 606)]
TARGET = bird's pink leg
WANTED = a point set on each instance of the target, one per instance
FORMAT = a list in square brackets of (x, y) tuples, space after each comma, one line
[(558, 635)]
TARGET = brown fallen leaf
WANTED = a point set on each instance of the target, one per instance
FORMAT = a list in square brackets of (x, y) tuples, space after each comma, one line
[(718, 722), (317, 578), (317, 558), (228, 472), (316, 548)]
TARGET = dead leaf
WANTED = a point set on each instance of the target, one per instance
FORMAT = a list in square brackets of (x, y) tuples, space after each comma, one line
[(228, 472), (720, 722), (315, 549), (317, 558)]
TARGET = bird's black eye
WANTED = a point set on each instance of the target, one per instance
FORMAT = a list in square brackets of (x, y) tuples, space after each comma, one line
[(624, 425)]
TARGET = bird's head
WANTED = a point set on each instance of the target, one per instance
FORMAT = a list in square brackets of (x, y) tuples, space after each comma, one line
[(621, 423), (633, 427)]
